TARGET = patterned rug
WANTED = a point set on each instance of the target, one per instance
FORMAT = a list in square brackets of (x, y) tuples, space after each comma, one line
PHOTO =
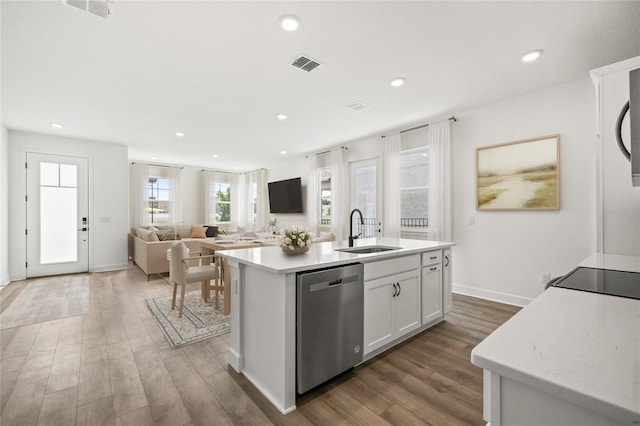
[(199, 319)]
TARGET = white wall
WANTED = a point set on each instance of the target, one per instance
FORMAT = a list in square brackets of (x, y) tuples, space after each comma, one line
[(502, 255), (287, 169), (4, 206), (108, 197)]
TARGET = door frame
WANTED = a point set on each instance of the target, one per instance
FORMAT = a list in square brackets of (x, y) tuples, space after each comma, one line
[(22, 246)]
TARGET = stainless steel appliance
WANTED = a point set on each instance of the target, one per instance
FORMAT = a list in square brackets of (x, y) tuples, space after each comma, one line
[(604, 281), (633, 107), (329, 323)]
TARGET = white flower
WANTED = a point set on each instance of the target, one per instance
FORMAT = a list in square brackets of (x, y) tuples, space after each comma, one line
[(300, 243)]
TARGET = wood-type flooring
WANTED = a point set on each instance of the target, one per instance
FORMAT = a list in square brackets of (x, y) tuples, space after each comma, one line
[(113, 366)]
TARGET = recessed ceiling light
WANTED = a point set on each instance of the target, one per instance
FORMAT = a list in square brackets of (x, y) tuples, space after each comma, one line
[(215, 155), (179, 134), (397, 82), (532, 56), (281, 116), (283, 152), (237, 168), (289, 22), (154, 158), (57, 125)]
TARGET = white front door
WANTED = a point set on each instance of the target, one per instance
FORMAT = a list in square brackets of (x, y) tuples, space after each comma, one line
[(57, 215)]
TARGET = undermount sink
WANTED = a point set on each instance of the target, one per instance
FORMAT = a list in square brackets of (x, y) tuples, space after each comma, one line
[(368, 249)]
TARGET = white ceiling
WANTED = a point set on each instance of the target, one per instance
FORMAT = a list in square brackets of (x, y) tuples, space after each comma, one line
[(220, 71)]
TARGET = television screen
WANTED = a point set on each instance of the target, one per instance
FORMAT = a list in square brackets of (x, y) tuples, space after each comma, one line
[(285, 196)]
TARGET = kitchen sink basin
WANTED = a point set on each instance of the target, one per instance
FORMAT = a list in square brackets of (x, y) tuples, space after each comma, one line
[(368, 249)]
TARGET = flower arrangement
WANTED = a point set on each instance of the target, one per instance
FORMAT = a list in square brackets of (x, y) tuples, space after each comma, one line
[(294, 238)]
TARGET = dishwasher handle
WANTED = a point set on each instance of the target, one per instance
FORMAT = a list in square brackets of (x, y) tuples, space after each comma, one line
[(333, 283)]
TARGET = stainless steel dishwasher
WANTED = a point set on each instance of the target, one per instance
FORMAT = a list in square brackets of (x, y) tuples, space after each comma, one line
[(329, 323)]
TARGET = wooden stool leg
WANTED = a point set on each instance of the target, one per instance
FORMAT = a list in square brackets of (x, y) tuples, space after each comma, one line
[(206, 290), (181, 301), (173, 300)]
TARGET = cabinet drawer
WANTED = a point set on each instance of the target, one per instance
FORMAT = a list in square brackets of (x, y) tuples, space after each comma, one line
[(383, 268), (431, 257)]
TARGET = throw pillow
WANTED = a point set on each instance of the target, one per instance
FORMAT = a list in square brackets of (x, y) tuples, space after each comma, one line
[(198, 232), (212, 231), (148, 235), (184, 230), (140, 232), (165, 236)]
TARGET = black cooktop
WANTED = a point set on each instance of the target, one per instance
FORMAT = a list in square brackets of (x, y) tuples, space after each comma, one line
[(604, 281)]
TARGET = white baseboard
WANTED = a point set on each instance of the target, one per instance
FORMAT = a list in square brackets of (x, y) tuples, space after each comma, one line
[(107, 268), (496, 296), (5, 280)]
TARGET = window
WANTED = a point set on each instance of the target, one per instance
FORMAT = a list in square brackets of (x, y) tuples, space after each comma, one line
[(156, 191), (158, 200), (324, 176), (364, 195), (220, 196), (414, 190)]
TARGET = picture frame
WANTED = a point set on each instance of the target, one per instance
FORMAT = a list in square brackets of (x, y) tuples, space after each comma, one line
[(519, 175)]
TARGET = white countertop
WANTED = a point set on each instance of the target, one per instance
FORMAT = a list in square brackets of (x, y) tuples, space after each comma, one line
[(322, 255), (579, 346)]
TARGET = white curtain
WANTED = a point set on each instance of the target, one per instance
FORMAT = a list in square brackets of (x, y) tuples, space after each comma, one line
[(439, 144), (313, 192), (175, 197), (241, 205), (339, 203), (139, 184), (262, 219), (391, 171)]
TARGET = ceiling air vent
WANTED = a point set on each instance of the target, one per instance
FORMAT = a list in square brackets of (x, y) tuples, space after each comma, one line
[(101, 8), (305, 63), (358, 106)]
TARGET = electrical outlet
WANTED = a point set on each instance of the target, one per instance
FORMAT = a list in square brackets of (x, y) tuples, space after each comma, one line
[(545, 277), (472, 220)]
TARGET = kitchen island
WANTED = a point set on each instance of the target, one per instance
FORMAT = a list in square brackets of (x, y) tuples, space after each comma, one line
[(569, 357), (263, 303)]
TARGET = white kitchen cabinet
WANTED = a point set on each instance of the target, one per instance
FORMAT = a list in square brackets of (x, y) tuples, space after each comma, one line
[(391, 308), (431, 293), (446, 281)]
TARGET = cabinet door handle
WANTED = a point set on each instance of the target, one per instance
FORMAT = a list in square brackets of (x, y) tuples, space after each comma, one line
[(395, 290), (447, 261), (433, 257), (433, 269), (399, 289)]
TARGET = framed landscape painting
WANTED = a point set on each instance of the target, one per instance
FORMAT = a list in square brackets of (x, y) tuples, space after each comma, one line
[(521, 175)]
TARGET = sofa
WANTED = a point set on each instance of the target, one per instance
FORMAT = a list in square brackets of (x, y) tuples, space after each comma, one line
[(148, 245)]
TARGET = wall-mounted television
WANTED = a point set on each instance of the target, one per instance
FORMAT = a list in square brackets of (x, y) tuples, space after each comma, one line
[(285, 196)]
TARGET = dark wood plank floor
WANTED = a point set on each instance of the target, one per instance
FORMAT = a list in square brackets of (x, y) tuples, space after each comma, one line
[(113, 366)]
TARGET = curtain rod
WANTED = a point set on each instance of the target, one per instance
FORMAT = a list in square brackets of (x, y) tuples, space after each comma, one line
[(158, 165), (233, 173), (420, 127), (325, 152)]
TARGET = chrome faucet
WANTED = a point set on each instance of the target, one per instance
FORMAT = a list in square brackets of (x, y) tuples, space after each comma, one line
[(351, 237)]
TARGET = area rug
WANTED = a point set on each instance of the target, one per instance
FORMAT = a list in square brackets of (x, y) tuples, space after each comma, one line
[(47, 299), (199, 318)]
